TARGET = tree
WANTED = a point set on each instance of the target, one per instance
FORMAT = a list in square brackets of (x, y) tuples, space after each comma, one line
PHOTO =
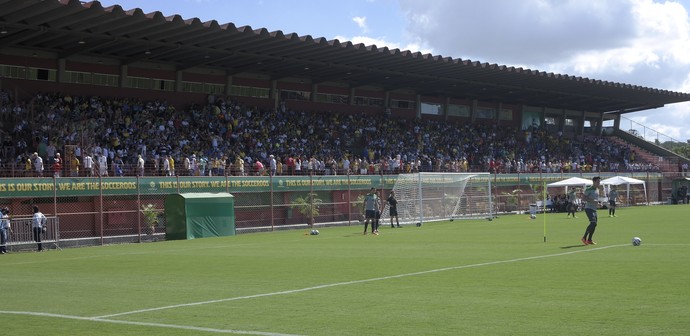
[(150, 216), (308, 205), (512, 199)]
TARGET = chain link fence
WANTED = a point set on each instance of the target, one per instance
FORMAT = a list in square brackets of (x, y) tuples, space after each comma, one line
[(97, 211)]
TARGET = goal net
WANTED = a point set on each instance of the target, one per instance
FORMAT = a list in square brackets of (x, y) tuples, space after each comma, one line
[(426, 197)]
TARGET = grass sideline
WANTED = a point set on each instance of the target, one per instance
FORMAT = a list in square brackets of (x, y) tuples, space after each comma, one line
[(473, 277)]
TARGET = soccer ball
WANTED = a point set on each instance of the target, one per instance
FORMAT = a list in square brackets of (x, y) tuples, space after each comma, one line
[(636, 241), (533, 216), (314, 232), (418, 224)]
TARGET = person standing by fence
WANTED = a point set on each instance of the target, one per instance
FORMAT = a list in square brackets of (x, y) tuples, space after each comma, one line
[(5, 229), (38, 222)]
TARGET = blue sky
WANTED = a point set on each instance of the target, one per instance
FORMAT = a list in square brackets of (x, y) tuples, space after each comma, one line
[(639, 42)]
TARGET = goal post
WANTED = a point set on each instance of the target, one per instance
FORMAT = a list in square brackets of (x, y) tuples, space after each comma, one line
[(424, 197)]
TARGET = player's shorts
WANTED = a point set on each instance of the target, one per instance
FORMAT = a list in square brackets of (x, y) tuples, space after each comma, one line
[(612, 203), (370, 214), (393, 212)]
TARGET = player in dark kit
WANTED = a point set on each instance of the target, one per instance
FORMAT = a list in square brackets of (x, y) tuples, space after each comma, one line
[(393, 208)]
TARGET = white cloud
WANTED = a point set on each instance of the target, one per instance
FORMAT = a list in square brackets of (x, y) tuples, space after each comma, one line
[(639, 42), (382, 42), (361, 22)]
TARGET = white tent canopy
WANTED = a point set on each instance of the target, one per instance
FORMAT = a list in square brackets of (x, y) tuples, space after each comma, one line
[(571, 182), (627, 181)]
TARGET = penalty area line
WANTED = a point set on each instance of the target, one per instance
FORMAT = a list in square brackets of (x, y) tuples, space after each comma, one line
[(299, 290)]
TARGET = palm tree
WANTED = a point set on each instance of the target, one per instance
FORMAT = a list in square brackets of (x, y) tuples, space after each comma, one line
[(150, 216), (308, 205)]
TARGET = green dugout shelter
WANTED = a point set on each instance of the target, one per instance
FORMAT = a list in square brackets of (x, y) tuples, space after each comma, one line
[(199, 215)]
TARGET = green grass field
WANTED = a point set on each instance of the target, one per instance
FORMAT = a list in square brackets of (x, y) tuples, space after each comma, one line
[(474, 277)]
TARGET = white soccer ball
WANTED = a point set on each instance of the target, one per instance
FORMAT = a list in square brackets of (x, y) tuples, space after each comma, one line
[(533, 216), (314, 232), (636, 241)]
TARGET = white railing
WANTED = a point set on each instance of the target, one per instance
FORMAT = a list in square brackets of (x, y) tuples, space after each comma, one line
[(22, 232)]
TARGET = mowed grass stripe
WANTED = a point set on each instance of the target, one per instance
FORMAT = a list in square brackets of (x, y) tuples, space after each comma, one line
[(399, 273)]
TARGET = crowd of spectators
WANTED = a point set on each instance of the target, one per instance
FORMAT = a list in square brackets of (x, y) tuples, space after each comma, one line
[(125, 136)]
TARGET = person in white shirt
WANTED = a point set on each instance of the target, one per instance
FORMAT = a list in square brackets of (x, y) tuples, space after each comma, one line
[(88, 165), (103, 165), (140, 166), (38, 222), (166, 166), (272, 164), (38, 165)]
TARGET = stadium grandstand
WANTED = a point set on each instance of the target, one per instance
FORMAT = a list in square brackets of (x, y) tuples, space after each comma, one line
[(90, 92)]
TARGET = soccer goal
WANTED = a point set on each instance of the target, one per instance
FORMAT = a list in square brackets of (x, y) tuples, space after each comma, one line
[(424, 197)]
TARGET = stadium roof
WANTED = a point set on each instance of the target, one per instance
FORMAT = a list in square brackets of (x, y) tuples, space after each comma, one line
[(71, 28)]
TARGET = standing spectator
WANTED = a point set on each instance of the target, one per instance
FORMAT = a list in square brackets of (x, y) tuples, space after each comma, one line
[(683, 194), (171, 163), (591, 197), (393, 208), (572, 202), (290, 165), (102, 165), (298, 166), (118, 167), (331, 166), (202, 165), (279, 167), (57, 165), (613, 196), (239, 163), (258, 168), (88, 165), (50, 152), (155, 160), (38, 165), (38, 223), (272, 165), (186, 164), (74, 166), (193, 166), (28, 166), (346, 166), (5, 229), (140, 165), (166, 166), (77, 152)]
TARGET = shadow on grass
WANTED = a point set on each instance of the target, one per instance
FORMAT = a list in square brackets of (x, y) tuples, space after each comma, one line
[(571, 246)]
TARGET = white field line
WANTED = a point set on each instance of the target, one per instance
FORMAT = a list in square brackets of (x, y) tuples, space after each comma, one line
[(105, 318), (147, 324), (292, 291)]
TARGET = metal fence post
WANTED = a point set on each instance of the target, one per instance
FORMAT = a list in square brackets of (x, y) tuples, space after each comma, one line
[(270, 183), (100, 205), (138, 209)]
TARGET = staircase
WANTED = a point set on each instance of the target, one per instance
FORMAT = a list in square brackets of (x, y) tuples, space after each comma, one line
[(665, 164)]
